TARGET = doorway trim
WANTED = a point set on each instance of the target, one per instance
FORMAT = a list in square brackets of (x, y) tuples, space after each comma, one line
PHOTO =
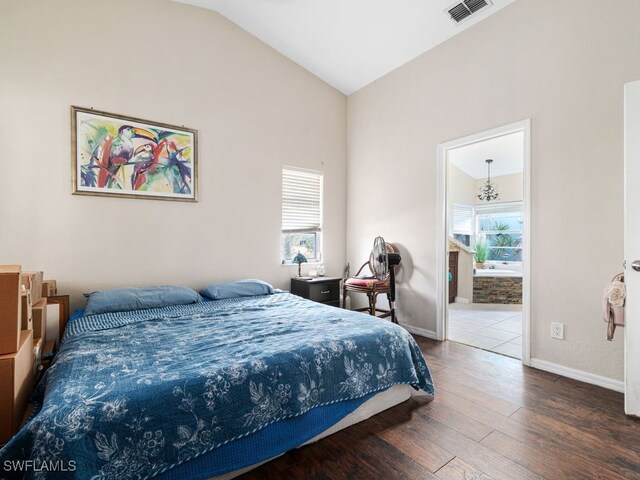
[(442, 286)]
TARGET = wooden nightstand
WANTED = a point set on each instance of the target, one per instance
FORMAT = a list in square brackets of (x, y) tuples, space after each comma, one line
[(322, 289)]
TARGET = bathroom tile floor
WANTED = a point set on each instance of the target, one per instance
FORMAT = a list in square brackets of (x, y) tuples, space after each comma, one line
[(493, 327)]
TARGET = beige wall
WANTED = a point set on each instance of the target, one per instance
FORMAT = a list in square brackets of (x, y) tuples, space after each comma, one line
[(461, 189), (465, 276), (255, 111), (562, 64)]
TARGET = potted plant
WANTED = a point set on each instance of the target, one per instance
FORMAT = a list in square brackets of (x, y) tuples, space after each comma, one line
[(482, 252)]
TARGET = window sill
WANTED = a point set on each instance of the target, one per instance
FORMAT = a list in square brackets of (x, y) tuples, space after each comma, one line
[(296, 265)]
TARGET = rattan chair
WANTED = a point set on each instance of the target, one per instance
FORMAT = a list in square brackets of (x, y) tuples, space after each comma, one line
[(372, 287)]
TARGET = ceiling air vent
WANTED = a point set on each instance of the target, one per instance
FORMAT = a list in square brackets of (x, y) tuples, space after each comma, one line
[(466, 8)]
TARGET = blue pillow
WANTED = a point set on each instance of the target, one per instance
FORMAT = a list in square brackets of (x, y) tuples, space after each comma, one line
[(127, 299), (238, 288), (77, 313)]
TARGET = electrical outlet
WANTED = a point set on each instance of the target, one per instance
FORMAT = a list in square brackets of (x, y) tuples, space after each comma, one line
[(557, 330)]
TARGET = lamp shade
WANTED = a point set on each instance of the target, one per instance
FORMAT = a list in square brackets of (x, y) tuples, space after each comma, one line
[(299, 258)]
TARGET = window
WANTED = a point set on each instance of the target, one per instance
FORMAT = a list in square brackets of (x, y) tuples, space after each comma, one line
[(462, 225), (301, 214), (501, 226)]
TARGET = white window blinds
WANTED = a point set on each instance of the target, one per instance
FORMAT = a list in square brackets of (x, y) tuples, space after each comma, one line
[(463, 219), (301, 200)]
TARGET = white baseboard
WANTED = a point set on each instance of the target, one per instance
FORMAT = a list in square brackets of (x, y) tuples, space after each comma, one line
[(462, 300), (592, 378), (423, 332)]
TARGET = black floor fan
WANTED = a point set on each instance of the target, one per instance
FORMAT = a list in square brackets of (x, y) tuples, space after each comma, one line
[(383, 260)]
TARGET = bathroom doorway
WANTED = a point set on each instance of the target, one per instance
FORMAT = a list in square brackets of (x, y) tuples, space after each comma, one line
[(483, 255)]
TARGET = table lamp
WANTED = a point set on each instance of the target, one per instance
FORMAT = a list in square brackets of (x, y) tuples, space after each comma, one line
[(299, 259)]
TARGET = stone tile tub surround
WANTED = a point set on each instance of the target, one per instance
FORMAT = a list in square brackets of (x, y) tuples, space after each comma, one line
[(501, 284)]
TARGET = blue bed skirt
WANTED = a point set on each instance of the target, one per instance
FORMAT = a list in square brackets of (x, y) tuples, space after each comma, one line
[(264, 444)]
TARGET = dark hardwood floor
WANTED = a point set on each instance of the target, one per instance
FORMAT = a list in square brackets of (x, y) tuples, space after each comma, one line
[(491, 418)]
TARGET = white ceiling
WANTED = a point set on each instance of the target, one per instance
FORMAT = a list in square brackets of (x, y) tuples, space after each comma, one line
[(347, 43), (506, 151)]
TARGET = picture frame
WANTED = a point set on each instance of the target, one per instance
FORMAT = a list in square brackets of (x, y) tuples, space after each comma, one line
[(120, 156)]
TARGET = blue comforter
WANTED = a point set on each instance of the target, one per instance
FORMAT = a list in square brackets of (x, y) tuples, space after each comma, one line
[(133, 394)]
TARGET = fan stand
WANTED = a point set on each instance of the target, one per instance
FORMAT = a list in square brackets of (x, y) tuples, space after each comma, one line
[(392, 294), (393, 258)]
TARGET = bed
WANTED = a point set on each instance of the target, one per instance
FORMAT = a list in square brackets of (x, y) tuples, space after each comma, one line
[(211, 388)]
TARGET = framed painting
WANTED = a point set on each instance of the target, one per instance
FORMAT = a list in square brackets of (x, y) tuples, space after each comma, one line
[(114, 155)]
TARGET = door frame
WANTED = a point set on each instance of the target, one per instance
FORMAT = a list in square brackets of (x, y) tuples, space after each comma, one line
[(442, 286), (631, 251)]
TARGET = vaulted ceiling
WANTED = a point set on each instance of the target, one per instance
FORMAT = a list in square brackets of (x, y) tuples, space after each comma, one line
[(348, 43)]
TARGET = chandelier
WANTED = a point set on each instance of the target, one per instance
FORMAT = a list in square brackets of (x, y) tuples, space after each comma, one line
[(488, 190)]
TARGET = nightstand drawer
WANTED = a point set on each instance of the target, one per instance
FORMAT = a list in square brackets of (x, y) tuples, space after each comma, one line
[(324, 292), (324, 289)]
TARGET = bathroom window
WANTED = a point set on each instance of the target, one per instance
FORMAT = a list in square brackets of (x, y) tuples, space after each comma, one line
[(462, 225), (501, 227)]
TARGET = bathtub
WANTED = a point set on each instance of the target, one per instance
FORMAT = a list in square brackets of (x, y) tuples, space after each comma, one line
[(499, 270), (501, 284)]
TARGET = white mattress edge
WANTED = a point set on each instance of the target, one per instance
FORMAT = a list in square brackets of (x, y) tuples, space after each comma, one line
[(376, 404)]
